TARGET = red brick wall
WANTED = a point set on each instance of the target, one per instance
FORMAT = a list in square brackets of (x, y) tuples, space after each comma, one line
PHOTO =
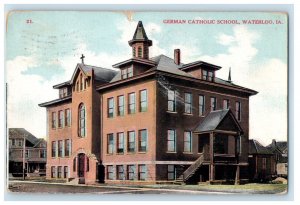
[(55, 135), (129, 122)]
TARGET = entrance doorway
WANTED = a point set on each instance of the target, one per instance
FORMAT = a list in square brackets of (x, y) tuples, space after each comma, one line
[(81, 167)]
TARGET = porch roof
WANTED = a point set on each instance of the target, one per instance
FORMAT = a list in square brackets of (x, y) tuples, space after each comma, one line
[(219, 120)]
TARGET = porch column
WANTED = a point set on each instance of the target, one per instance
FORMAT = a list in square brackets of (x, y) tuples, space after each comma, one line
[(237, 175), (211, 156)]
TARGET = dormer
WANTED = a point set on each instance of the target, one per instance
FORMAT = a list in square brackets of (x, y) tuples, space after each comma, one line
[(64, 89), (201, 70), (140, 43)]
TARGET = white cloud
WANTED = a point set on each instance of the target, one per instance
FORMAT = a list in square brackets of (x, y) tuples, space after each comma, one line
[(225, 39), (24, 94), (268, 114)]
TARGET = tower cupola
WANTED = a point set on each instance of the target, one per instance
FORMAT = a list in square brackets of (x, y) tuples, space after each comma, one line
[(140, 43)]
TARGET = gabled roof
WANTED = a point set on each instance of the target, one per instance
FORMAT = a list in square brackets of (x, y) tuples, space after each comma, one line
[(256, 148), (140, 35), (39, 141), (282, 146), (17, 133), (101, 74), (215, 119)]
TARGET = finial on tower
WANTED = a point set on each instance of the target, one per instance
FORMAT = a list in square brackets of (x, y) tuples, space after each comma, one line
[(229, 75), (82, 58)]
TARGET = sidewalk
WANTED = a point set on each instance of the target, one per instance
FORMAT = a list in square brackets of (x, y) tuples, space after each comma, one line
[(218, 189)]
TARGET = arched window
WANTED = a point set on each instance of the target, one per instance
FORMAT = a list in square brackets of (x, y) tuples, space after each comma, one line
[(81, 82), (82, 121)]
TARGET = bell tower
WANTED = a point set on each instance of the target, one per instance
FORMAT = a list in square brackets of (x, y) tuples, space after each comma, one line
[(140, 43)]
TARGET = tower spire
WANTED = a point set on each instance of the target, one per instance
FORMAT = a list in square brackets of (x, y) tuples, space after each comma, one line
[(229, 75), (140, 43)]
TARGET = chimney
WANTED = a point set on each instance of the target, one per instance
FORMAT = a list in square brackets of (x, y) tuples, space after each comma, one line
[(177, 56), (273, 143)]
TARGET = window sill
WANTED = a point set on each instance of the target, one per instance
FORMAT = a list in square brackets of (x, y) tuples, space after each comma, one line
[(131, 153), (171, 112), (142, 152), (120, 153), (169, 152), (188, 114), (188, 153), (109, 154)]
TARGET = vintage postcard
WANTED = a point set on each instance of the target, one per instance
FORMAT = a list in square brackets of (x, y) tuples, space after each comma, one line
[(147, 102)]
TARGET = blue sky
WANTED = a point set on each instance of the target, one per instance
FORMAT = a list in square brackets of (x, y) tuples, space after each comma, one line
[(46, 51)]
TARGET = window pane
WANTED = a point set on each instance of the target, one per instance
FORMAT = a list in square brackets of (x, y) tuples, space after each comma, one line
[(171, 95)]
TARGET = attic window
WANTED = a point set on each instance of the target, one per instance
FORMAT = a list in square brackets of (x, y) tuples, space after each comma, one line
[(207, 75), (127, 72)]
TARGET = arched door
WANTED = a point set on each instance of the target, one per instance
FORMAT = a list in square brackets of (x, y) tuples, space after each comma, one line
[(81, 165)]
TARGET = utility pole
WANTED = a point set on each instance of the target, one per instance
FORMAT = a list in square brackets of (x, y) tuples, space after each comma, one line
[(24, 149)]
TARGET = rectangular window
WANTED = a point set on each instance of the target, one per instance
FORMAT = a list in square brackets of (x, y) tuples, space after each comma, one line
[(53, 174), (20, 143), (130, 172), (201, 105), (60, 148), (53, 120), (110, 172), (213, 104), (59, 172), (121, 105), (142, 172), (67, 147), (226, 104), (204, 74), (27, 153), (210, 76), (74, 164), (143, 140), (131, 141), (53, 154), (127, 72), (110, 143), (130, 72), (110, 107), (171, 172), (171, 101), (171, 141), (43, 153), (60, 118), (238, 110), (120, 142), (66, 172), (124, 73), (188, 103), (120, 172), (143, 101), (187, 142), (68, 117), (13, 142), (131, 103)]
